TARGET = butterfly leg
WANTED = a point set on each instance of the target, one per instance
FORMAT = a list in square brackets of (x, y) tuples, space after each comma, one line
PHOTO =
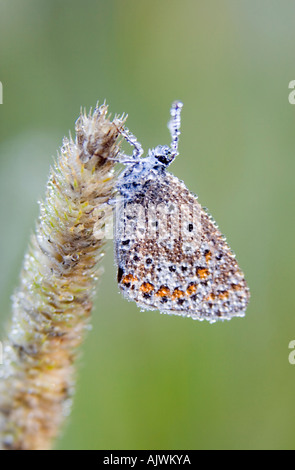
[(137, 148)]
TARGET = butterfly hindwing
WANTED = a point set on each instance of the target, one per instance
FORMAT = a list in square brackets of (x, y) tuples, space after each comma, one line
[(172, 257)]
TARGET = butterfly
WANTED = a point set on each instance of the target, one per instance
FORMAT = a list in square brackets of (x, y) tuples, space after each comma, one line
[(169, 251)]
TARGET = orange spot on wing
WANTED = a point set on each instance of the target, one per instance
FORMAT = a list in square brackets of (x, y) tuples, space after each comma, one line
[(192, 289), (163, 292), (202, 273), (223, 295), (210, 297), (129, 278), (146, 288), (208, 256), (177, 294), (236, 287)]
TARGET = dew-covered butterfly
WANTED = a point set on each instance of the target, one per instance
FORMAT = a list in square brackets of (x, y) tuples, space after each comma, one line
[(170, 254)]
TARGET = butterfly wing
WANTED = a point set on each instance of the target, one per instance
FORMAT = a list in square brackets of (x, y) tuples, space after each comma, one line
[(172, 257)]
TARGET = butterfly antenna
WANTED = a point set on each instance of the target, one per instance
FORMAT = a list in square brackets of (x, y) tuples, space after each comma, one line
[(174, 125)]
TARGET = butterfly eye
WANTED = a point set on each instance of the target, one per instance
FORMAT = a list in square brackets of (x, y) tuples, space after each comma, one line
[(165, 159), (163, 154)]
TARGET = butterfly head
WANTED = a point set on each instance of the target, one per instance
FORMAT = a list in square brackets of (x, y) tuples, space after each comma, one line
[(162, 155), (158, 158)]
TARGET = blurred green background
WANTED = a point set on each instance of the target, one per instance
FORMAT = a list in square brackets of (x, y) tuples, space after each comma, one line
[(148, 381)]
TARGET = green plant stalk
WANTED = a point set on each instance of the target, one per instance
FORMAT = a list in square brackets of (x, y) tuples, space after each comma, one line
[(52, 305)]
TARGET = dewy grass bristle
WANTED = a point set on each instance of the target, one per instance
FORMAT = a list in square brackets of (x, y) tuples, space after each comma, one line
[(52, 305)]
